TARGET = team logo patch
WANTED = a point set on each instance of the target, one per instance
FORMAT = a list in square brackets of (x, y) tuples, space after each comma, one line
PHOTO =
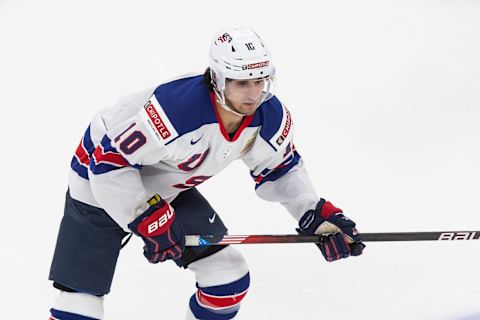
[(256, 65), (156, 121), (249, 144)]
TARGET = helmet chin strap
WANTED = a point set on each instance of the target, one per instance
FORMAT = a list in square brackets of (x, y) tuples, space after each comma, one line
[(221, 99)]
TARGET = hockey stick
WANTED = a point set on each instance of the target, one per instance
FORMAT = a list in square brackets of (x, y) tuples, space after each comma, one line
[(211, 240)]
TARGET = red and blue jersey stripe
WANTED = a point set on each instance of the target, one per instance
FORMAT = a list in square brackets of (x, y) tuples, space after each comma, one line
[(100, 159), (106, 158), (276, 173), (81, 159)]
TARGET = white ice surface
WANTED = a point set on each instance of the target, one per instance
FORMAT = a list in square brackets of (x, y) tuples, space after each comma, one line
[(385, 97)]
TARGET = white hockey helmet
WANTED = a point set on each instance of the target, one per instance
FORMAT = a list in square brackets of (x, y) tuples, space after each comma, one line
[(239, 53)]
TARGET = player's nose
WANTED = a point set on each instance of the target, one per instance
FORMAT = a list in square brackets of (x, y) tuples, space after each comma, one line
[(253, 92)]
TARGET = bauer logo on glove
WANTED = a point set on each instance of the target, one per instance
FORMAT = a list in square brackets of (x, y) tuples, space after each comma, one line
[(163, 235), (160, 223)]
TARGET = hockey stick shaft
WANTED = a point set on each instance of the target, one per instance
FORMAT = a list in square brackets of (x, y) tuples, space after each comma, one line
[(211, 240)]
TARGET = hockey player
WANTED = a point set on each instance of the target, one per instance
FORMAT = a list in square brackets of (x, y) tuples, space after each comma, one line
[(137, 166)]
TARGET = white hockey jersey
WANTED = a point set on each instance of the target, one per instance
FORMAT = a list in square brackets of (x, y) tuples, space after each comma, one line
[(169, 139)]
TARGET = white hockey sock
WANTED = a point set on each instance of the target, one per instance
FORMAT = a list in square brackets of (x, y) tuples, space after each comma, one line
[(222, 282), (83, 304)]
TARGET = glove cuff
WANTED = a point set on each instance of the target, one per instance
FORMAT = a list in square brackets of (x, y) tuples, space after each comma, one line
[(312, 219), (327, 209)]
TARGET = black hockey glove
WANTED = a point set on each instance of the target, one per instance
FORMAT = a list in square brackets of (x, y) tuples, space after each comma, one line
[(341, 237), (163, 235)]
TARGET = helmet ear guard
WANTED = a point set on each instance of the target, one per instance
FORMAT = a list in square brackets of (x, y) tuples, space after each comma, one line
[(239, 54)]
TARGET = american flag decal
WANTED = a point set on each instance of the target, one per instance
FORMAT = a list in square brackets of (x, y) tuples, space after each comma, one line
[(234, 239), (209, 240)]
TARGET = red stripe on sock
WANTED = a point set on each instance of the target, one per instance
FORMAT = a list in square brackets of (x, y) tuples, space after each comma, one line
[(219, 301)]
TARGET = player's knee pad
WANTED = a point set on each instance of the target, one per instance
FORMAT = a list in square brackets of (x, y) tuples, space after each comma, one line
[(77, 305), (224, 266), (222, 281)]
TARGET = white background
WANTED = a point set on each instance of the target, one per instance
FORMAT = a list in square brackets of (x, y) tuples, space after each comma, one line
[(385, 97)]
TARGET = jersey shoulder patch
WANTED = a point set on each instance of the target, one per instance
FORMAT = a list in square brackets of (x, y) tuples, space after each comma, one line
[(157, 121), (276, 123), (179, 107)]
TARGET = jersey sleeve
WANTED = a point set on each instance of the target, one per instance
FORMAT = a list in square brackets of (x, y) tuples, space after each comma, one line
[(135, 134), (277, 168)]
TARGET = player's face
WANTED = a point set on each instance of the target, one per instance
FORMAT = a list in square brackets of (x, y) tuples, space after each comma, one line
[(244, 96)]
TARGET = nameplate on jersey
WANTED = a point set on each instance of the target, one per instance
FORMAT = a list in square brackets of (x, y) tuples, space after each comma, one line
[(281, 135), (158, 121)]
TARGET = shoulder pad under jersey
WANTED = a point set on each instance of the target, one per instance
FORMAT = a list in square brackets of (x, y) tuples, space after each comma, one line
[(179, 107), (276, 123)]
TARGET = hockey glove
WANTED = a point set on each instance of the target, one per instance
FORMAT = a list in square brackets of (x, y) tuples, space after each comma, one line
[(163, 235), (341, 237)]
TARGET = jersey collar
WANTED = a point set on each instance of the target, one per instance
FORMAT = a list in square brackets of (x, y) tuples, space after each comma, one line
[(245, 122)]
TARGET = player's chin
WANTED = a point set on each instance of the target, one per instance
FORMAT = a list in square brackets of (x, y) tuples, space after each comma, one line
[(249, 109)]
